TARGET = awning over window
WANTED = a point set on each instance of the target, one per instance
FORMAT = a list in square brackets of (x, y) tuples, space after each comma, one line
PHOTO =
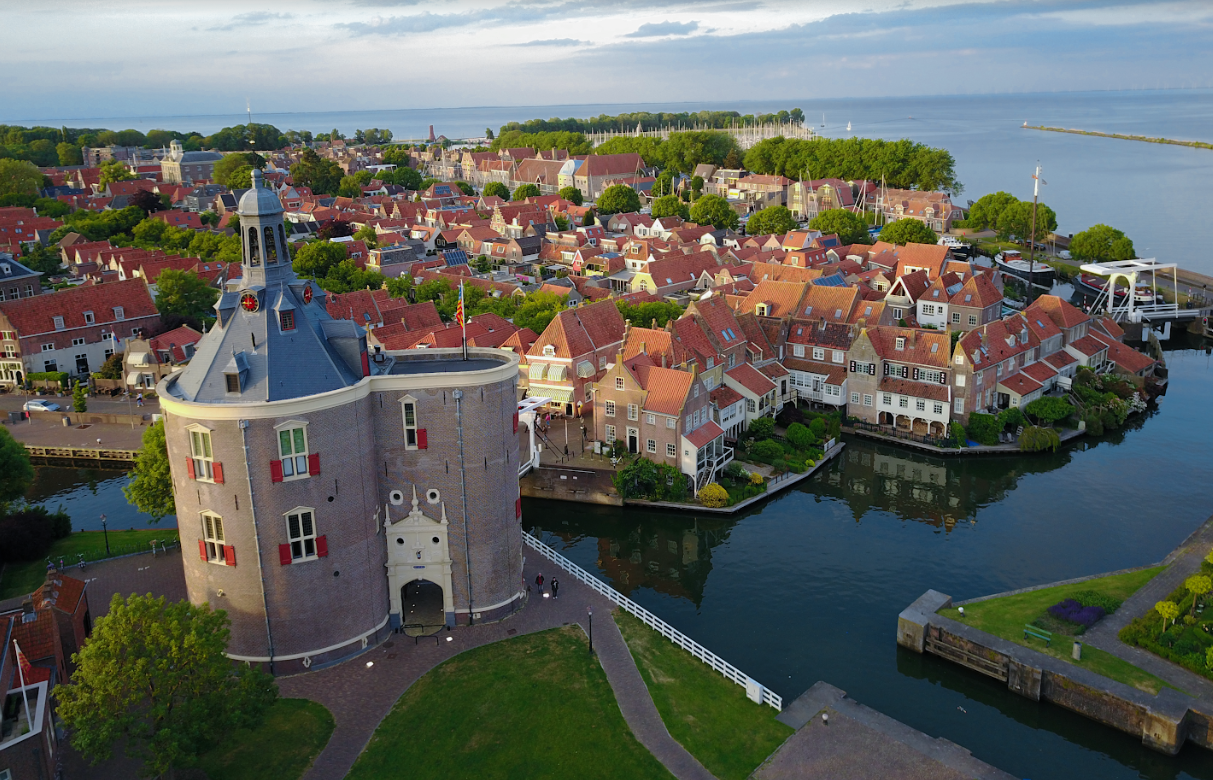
[(561, 395), (556, 373), (537, 369), (585, 369), (133, 378), (139, 359)]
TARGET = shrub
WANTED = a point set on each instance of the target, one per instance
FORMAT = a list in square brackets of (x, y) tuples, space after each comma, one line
[(756, 478), (80, 398), (642, 478), (958, 434), (779, 464), (820, 427), (713, 495), (801, 437), (735, 472), (762, 428), (1035, 439), (1090, 598), (766, 450), (1049, 410), (1011, 417), (983, 428)]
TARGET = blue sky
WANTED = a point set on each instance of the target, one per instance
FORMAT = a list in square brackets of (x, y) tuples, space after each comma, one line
[(150, 58)]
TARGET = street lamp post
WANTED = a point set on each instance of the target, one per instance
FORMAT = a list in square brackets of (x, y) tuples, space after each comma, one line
[(105, 530), (590, 610)]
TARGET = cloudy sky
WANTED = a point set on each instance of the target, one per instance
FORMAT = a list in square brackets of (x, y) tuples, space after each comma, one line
[(123, 58)]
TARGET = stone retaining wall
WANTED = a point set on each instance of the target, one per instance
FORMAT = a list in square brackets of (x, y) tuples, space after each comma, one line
[(1163, 721), (570, 484)]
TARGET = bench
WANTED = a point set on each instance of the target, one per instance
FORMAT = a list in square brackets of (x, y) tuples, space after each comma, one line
[(1039, 633)]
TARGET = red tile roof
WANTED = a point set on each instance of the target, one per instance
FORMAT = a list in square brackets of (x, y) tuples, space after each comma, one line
[(1039, 371), (751, 379), (724, 396), (1063, 313), (1020, 383), (1126, 358), (908, 387), (1088, 345), (924, 347), (704, 435), (34, 316)]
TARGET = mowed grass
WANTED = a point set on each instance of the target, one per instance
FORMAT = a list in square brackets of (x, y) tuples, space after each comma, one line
[(18, 579), (1005, 617), (707, 713), (536, 706), (283, 747)]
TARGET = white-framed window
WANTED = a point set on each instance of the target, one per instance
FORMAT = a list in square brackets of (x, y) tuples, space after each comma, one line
[(58, 323), (901, 343), (928, 308), (292, 448), (854, 398), (959, 405), (88, 318), (119, 314), (409, 408), (972, 319), (819, 353), (671, 451), (867, 400), (77, 342), (202, 454), (212, 535), (651, 445), (48, 347), (750, 406), (610, 408), (903, 402), (920, 405), (938, 408), (798, 350), (956, 317), (618, 383), (671, 422), (633, 412), (651, 419), (610, 433), (887, 399), (301, 533), (838, 356)]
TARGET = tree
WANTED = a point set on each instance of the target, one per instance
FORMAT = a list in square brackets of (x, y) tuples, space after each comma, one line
[(538, 311), (1169, 611), (849, 226), (80, 397), (184, 293), (367, 234), (713, 495), (112, 367), (16, 473), (908, 231), (1101, 242), (345, 276), (525, 191), (697, 184), (732, 160), (496, 189), (670, 206), (112, 171), (1198, 585), (225, 169), (322, 176), (69, 153), (775, 220), (465, 188), (488, 133), (799, 436), (154, 675), (315, 258), (716, 211), (643, 315), (573, 195), (618, 199), (1016, 221), (762, 428), (984, 214), (18, 177), (151, 485), (1037, 439)]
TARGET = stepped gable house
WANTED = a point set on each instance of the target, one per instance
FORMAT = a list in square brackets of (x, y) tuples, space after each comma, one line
[(325, 495)]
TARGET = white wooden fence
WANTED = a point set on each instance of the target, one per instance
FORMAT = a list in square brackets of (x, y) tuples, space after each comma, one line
[(754, 690)]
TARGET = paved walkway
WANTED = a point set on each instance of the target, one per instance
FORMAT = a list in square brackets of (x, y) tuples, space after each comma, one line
[(44, 433), (1184, 561), (361, 696)]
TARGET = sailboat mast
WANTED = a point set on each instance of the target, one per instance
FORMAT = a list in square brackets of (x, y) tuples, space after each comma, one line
[(1032, 237)]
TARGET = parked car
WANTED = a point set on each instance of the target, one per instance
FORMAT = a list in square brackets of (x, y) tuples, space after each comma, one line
[(41, 406)]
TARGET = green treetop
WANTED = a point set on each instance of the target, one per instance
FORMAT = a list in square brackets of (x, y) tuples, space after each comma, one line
[(716, 211), (1101, 243), (618, 199), (908, 231), (775, 220), (849, 226)]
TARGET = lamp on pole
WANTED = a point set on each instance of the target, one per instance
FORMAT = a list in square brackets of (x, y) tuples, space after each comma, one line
[(105, 530), (590, 611)]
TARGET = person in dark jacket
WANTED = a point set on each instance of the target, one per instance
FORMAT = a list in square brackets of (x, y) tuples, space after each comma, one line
[(555, 588), (539, 584)]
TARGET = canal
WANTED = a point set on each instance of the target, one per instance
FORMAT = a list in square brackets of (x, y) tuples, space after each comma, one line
[(808, 586)]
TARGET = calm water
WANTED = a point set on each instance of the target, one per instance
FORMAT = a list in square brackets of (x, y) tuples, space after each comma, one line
[(87, 494), (808, 586), (1152, 192)]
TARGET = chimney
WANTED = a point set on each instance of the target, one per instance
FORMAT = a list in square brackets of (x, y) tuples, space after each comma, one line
[(663, 360), (913, 337)]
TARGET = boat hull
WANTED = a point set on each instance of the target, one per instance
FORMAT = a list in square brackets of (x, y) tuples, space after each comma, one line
[(1040, 274)]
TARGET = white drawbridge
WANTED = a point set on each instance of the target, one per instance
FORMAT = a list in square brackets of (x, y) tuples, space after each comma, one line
[(1129, 273)]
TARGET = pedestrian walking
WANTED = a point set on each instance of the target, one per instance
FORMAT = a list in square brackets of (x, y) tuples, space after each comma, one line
[(539, 584), (555, 587), (139, 400)]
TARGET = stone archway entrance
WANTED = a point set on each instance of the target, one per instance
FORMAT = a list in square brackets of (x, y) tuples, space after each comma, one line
[(423, 611)]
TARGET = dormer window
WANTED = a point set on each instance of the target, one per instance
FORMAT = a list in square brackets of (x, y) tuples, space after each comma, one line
[(901, 343), (118, 313), (88, 318), (286, 320), (549, 350), (58, 323), (761, 309), (233, 382)]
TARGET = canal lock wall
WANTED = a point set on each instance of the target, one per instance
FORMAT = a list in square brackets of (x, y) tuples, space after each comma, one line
[(1163, 721), (570, 484)]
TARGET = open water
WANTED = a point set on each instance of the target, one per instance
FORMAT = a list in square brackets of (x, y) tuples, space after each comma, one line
[(808, 586), (1157, 194)]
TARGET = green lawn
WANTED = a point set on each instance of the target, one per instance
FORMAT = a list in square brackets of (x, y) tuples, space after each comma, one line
[(1005, 617), (282, 747), (17, 579), (707, 713), (536, 706)]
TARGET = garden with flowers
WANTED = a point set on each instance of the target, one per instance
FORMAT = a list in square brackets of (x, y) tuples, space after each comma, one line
[(1177, 628)]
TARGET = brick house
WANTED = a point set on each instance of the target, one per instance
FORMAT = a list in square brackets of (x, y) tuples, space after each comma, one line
[(816, 356), (147, 361), (900, 378), (757, 390), (572, 353), (73, 330)]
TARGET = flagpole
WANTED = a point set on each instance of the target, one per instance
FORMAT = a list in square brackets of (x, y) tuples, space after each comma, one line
[(21, 662), (463, 321)]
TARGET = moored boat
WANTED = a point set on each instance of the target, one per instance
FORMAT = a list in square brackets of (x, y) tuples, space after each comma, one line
[(1012, 262), (1091, 283)]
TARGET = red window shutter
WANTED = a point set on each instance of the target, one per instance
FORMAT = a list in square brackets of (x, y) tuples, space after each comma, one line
[(518, 507), (322, 546), (423, 441), (229, 555), (284, 554), (366, 365), (515, 422), (275, 471), (218, 472), (313, 464), (189, 467), (202, 548)]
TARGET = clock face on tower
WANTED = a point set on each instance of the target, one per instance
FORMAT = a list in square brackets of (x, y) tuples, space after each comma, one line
[(248, 302), (307, 294)]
